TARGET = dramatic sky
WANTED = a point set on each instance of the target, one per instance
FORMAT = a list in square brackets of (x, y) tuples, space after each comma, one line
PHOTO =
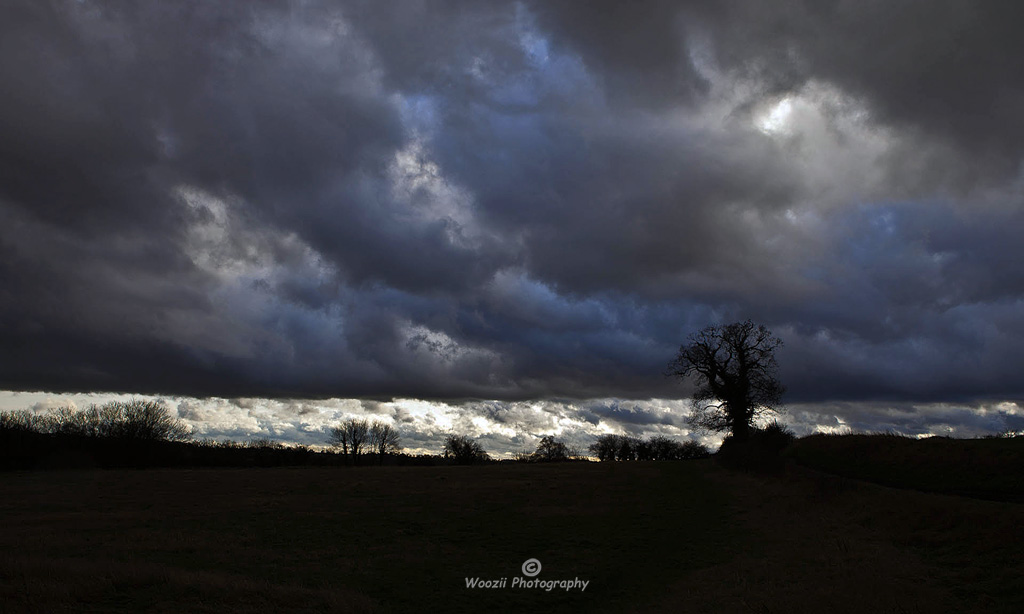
[(504, 217)]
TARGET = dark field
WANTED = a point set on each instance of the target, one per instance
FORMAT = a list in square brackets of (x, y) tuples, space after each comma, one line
[(990, 468), (649, 537)]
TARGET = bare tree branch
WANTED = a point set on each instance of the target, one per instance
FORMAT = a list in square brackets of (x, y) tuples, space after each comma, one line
[(734, 368)]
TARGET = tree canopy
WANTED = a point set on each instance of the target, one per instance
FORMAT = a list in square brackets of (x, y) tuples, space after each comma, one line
[(734, 368), (463, 450)]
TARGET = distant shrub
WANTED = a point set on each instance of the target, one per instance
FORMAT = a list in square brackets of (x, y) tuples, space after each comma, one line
[(463, 450), (774, 436)]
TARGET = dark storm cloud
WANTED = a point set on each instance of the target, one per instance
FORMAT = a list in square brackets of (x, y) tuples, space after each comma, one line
[(461, 200), (949, 69), (639, 50)]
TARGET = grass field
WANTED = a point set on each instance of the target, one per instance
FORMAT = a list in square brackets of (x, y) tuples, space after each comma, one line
[(648, 537), (980, 468)]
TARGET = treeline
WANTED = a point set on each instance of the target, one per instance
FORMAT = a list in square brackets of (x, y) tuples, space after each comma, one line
[(141, 433), (550, 450), (138, 433), (357, 437), (607, 448), (656, 448), (135, 419)]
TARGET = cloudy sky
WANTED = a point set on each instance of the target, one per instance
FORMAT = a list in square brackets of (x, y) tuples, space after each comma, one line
[(503, 218)]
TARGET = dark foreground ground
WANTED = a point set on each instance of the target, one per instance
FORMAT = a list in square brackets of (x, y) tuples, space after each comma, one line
[(648, 537)]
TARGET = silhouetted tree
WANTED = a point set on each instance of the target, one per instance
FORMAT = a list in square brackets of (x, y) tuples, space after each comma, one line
[(693, 449), (644, 450), (551, 450), (463, 450), (351, 436), (138, 419), (626, 450), (735, 370), (660, 447), (338, 438), (605, 447), (615, 447), (384, 439), (135, 419)]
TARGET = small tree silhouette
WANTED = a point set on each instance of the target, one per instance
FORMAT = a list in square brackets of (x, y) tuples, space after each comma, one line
[(350, 436), (463, 450), (384, 439), (551, 450)]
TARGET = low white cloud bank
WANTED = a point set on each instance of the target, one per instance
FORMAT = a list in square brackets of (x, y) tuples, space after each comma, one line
[(507, 428)]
